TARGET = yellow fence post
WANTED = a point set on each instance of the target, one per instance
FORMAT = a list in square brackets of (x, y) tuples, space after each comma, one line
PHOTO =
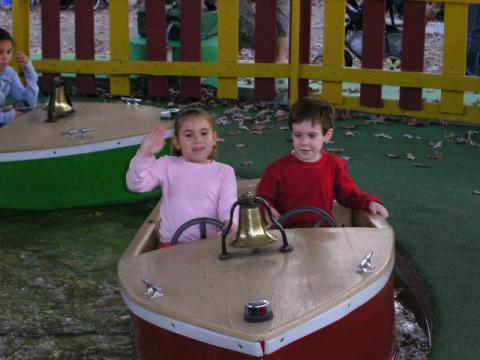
[(119, 44), (21, 27), (334, 33), (454, 54), (228, 45)]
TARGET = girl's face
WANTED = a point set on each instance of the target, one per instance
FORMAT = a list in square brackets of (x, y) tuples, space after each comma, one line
[(196, 139), (5, 53), (308, 140)]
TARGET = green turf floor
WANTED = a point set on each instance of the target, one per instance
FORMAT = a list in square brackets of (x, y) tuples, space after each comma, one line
[(434, 213)]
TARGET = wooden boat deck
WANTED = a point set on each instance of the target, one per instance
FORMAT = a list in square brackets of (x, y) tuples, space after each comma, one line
[(109, 121)]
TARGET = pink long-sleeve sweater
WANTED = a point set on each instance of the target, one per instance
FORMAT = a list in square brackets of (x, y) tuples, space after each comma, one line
[(189, 190)]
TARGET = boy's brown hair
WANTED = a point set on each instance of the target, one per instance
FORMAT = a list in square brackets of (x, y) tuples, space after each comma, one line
[(314, 109), (184, 115)]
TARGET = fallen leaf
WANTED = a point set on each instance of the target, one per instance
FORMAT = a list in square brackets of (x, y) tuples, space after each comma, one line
[(349, 133), (476, 192), (384, 136), (234, 133), (393, 156), (378, 120), (408, 136), (435, 145), (336, 150), (348, 127), (284, 128), (257, 132), (223, 120), (346, 158), (415, 122), (420, 165), (220, 140), (437, 155), (410, 156), (247, 163), (241, 145)]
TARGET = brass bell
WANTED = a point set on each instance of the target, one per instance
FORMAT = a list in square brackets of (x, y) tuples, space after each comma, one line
[(251, 232), (251, 229), (58, 100)]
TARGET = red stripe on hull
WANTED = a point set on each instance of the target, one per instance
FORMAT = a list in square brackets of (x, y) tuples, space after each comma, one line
[(366, 333)]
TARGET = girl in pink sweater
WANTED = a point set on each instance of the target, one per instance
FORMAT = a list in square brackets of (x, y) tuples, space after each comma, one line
[(193, 183)]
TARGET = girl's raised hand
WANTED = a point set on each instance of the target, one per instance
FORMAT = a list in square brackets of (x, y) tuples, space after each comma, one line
[(153, 142), (21, 58)]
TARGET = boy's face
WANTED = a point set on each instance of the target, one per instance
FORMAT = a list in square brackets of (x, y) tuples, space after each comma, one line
[(5, 53), (308, 140)]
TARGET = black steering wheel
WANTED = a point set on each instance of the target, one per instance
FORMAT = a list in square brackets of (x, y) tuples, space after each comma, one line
[(202, 221), (324, 217)]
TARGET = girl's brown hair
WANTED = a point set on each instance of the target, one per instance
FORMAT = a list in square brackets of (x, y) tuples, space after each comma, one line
[(184, 115)]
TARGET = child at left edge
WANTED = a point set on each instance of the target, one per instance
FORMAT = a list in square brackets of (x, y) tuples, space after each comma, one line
[(10, 84), (309, 176)]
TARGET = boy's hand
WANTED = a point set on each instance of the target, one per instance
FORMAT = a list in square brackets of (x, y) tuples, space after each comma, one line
[(377, 208), (276, 215), (153, 142), (21, 58)]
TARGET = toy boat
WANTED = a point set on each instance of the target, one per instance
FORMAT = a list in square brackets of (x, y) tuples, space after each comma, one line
[(79, 160), (331, 297)]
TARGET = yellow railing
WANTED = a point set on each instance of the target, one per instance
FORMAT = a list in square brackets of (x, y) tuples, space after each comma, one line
[(452, 82)]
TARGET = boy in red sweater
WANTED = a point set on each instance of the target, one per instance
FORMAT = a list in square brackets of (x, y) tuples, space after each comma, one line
[(310, 176)]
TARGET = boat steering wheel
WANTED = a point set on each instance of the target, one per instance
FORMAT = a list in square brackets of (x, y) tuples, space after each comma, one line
[(202, 221), (324, 217)]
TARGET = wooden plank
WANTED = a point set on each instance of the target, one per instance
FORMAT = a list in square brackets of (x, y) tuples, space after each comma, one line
[(228, 45), (191, 46), (84, 45), (372, 48), (430, 111), (395, 78), (333, 38), (373, 76), (119, 44), (220, 309), (265, 38), (21, 27), (454, 54), (50, 37), (304, 46), (294, 50), (413, 51), (176, 68), (156, 33)]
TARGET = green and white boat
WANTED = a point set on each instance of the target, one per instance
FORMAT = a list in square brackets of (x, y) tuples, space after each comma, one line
[(79, 160)]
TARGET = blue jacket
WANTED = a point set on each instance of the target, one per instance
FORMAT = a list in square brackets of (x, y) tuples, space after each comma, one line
[(10, 85)]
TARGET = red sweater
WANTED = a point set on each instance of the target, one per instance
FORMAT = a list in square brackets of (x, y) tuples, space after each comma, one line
[(289, 182)]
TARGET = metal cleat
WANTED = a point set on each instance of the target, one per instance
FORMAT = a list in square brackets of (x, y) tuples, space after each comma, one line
[(169, 114), (365, 266), (130, 100), (153, 290)]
